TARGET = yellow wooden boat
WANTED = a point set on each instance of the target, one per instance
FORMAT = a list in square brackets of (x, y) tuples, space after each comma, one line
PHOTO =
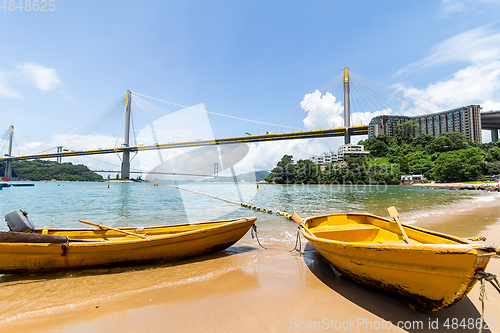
[(430, 273), (56, 249)]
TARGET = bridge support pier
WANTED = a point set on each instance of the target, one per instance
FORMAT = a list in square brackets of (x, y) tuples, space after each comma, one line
[(494, 135), (125, 172), (347, 107)]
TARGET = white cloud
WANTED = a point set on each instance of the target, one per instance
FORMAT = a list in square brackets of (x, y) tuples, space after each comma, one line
[(449, 7), (478, 45), (476, 84), (266, 155), (363, 118), (323, 111), (44, 78)]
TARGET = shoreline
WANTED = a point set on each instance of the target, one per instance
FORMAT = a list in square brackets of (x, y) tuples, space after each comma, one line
[(272, 291), (461, 186)]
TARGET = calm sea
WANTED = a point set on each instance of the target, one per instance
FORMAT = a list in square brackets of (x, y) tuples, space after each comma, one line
[(62, 204)]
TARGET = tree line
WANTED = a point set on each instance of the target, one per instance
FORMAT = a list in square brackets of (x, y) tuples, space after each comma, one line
[(48, 170), (448, 157)]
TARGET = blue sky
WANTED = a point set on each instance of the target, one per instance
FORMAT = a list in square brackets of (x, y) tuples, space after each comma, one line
[(249, 59)]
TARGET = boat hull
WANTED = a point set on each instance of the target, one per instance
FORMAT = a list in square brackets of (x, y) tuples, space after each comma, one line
[(429, 277), (108, 248)]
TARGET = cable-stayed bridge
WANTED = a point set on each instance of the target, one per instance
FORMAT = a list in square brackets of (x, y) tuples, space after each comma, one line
[(126, 148), (346, 99)]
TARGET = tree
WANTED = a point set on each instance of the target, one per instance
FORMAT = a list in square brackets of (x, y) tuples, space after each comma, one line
[(379, 149), (419, 163), (459, 165), (284, 173), (407, 131), (457, 140), (47, 170)]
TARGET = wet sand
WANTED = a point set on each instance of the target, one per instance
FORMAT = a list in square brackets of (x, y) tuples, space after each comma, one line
[(254, 290)]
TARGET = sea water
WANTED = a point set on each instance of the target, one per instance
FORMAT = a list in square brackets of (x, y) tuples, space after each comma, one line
[(62, 204)]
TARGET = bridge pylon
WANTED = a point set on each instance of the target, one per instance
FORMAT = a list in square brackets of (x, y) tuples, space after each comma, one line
[(125, 170), (347, 107)]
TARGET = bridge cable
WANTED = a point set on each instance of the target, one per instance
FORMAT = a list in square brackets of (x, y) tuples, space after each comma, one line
[(214, 113)]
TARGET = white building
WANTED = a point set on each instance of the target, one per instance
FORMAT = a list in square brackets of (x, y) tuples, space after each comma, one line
[(410, 179), (348, 149), (353, 150), (328, 157)]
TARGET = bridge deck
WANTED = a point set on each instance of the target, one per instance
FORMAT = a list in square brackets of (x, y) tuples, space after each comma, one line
[(332, 132)]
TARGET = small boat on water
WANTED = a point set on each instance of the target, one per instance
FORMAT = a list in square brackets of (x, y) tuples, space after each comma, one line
[(45, 250), (429, 270), (4, 184)]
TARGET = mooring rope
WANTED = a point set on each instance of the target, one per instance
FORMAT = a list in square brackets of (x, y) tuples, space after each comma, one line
[(298, 241), (254, 230), (491, 278)]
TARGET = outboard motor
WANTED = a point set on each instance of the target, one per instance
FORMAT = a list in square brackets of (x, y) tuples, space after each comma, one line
[(18, 221)]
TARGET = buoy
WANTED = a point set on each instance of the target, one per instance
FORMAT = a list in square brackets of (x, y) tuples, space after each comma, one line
[(270, 211), (108, 185), (257, 186)]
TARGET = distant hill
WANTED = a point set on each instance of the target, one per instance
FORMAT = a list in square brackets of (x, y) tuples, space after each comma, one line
[(249, 177), (48, 170)]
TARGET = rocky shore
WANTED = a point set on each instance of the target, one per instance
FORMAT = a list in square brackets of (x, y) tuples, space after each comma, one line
[(490, 187)]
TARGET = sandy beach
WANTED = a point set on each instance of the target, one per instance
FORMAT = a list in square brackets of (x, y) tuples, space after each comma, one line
[(254, 290)]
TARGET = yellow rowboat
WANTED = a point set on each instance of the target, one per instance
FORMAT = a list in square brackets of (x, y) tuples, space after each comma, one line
[(57, 249), (430, 273)]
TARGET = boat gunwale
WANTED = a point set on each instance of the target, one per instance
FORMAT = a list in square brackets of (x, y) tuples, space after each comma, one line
[(465, 247), (99, 242)]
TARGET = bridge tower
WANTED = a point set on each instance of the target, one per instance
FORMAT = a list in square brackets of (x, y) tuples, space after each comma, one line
[(125, 172), (8, 164), (347, 107)]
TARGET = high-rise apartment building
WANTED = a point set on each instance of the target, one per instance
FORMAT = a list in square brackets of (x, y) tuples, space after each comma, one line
[(466, 120)]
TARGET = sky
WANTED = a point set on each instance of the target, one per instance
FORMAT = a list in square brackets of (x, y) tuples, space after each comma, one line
[(258, 60)]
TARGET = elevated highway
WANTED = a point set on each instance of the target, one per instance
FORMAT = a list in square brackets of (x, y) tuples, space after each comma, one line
[(491, 121)]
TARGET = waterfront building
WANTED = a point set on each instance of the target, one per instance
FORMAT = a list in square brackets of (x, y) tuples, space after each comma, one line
[(328, 157), (412, 179), (351, 150), (466, 119), (347, 149)]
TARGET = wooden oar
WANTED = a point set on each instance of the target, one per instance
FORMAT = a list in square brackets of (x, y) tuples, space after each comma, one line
[(395, 215), (296, 218), (115, 229)]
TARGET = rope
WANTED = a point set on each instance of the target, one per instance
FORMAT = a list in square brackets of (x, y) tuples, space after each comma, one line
[(254, 230), (298, 242), (257, 209), (491, 278)]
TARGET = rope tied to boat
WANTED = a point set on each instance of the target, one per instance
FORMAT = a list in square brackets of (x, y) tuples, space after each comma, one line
[(254, 230), (491, 278), (64, 247), (298, 241)]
